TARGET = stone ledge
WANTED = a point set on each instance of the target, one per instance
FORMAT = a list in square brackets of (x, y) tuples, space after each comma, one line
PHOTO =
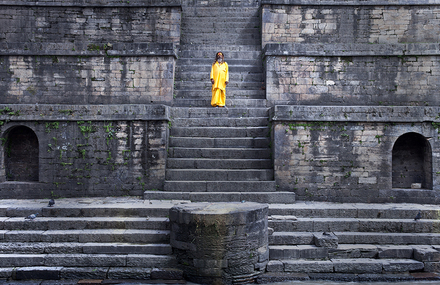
[(288, 49), (49, 112), (94, 3), (91, 49), (351, 2), (384, 114)]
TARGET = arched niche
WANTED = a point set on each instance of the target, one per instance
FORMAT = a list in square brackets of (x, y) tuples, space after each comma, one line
[(21, 154), (412, 161)]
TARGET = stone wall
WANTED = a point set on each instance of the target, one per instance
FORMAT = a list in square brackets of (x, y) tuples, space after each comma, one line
[(94, 79), (88, 24), (94, 75), (109, 150), (362, 23), (338, 53), (87, 53), (346, 154), (353, 76)]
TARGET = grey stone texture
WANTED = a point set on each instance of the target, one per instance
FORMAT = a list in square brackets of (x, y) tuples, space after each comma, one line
[(111, 157), (220, 242), (330, 159)]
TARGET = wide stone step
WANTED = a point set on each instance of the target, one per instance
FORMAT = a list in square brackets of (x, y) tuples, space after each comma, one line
[(219, 175), (233, 69), (89, 275), (207, 61), (198, 52), (219, 142), (222, 196), (200, 80), (374, 251), (204, 163), (351, 266), (205, 84), (85, 236), (226, 153), (296, 238), (303, 209), (87, 260), (202, 101), (179, 112), (88, 248), (220, 132), (194, 38), (220, 186), (234, 98), (159, 209), (284, 223), (221, 122), (84, 223)]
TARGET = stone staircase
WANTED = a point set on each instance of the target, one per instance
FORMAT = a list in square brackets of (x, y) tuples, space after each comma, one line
[(128, 238), (209, 28), (105, 238), (353, 242), (219, 154)]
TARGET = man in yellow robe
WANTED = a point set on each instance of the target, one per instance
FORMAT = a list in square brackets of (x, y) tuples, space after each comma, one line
[(219, 80)]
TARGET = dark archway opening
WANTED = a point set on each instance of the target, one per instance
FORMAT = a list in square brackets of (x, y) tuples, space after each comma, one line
[(21, 155), (412, 161)]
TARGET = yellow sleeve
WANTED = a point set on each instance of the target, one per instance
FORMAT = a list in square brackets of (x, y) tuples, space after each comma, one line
[(212, 72), (227, 72)]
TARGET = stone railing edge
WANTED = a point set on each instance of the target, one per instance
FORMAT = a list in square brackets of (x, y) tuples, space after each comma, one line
[(386, 114)]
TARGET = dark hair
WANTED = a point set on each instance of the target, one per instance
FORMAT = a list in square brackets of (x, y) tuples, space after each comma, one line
[(217, 55)]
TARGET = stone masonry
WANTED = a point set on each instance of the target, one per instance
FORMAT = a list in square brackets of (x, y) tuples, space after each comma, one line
[(372, 57)]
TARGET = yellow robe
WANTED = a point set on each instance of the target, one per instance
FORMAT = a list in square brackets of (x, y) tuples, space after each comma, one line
[(220, 74)]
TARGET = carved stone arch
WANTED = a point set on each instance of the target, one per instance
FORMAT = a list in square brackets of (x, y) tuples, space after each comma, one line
[(21, 154), (412, 161)]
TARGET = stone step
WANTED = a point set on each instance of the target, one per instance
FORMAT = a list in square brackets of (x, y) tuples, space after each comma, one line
[(204, 102), (205, 69), (304, 238), (86, 248), (224, 153), (177, 193), (61, 210), (219, 142), (234, 98), (349, 251), (188, 163), (219, 175), (87, 260), (372, 251), (235, 83), (303, 209), (207, 61), (221, 122), (209, 39), (84, 223), (179, 112), (351, 266), (247, 52), (284, 223), (85, 236), (220, 132), (236, 80), (219, 186), (88, 275)]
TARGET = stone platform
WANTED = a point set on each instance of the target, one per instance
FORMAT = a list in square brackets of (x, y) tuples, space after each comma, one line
[(128, 237)]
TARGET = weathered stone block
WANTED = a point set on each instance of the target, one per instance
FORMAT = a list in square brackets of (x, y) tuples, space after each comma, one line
[(357, 265), (426, 253), (326, 239), (307, 266)]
